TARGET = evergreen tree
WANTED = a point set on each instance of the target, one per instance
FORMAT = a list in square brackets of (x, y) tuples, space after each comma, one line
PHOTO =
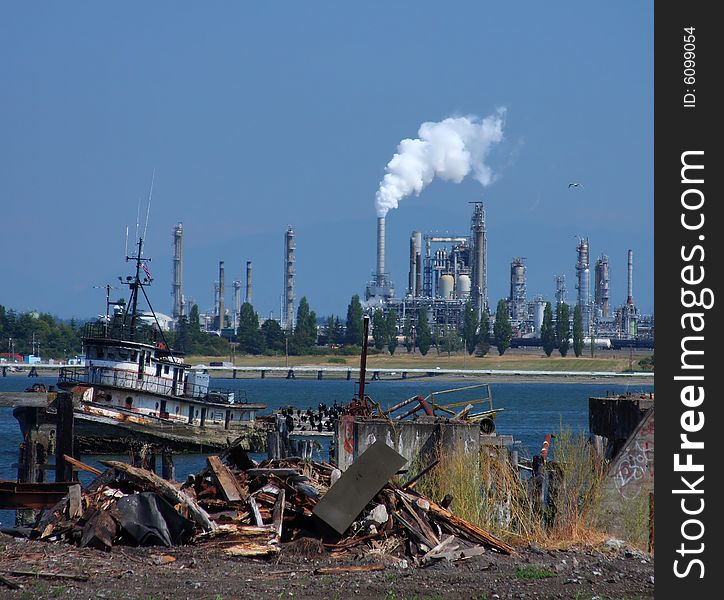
[(470, 327), (577, 331), (424, 335), (181, 335), (249, 336), (379, 329), (194, 324), (502, 330), (273, 334), (563, 328), (483, 345), (333, 329), (305, 332), (407, 333), (353, 335), (547, 333), (391, 332)]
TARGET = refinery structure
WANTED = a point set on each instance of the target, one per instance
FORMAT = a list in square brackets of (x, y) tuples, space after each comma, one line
[(446, 272)]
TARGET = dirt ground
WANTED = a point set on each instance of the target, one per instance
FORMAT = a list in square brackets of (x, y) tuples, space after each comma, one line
[(608, 573)]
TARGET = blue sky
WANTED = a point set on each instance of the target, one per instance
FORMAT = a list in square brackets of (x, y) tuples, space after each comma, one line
[(256, 116)]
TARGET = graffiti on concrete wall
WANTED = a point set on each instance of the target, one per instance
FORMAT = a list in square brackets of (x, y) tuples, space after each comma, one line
[(636, 461)]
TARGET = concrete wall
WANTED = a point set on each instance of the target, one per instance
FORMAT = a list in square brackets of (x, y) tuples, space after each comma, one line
[(411, 439), (630, 477)]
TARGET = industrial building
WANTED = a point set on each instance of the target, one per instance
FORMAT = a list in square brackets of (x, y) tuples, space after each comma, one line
[(447, 271)]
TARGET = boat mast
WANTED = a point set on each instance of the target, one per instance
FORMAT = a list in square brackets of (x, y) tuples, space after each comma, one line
[(134, 283)]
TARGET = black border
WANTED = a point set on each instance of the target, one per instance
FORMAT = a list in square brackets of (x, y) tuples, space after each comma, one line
[(678, 129)]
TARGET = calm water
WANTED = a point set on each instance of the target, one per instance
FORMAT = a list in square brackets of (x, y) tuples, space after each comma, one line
[(531, 410)]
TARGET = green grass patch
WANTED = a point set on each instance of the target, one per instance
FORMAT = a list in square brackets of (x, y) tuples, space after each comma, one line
[(530, 572)]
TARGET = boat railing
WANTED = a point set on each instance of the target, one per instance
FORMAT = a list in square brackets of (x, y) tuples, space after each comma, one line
[(118, 330), (150, 384)]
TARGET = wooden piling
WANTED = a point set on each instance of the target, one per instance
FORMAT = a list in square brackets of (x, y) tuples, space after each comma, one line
[(168, 470), (64, 435)]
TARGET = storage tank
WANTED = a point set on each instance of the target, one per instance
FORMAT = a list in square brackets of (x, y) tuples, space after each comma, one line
[(463, 287), (446, 286), (538, 312)]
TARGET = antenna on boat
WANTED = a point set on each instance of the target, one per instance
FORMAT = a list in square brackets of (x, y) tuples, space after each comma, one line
[(126, 254), (138, 218), (148, 208)]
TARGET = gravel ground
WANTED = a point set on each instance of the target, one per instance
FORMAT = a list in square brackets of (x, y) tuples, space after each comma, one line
[(195, 573)]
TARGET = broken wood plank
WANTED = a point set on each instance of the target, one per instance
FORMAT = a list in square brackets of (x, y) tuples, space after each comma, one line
[(424, 527), (279, 472), (255, 511), (418, 535), (349, 569), (99, 532), (250, 550), (278, 513), (472, 532), (9, 583), (45, 574), (75, 506), (81, 465), (225, 480), (446, 544), (412, 482), (165, 489)]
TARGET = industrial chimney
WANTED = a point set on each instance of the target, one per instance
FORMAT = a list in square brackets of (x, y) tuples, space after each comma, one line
[(177, 285), (583, 285), (479, 238), (221, 295), (236, 285), (380, 276), (247, 297), (629, 299), (289, 260)]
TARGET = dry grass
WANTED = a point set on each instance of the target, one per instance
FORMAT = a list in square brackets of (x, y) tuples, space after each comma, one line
[(522, 359), (488, 492)]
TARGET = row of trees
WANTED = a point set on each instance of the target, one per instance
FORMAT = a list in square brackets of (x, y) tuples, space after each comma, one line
[(32, 332), (560, 336)]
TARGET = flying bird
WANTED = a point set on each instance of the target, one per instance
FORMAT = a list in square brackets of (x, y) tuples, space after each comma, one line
[(575, 185)]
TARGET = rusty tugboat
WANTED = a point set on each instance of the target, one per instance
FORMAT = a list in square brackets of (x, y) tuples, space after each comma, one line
[(135, 389)]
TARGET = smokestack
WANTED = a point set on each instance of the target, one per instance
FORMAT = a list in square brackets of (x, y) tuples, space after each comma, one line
[(289, 260), (380, 251), (177, 285), (629, 300), (237, 305), (248, 282), (478, 234), (221, 295)]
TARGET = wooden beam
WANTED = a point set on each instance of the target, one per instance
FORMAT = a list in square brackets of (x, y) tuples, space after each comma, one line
[(153, 481), (229, 487)]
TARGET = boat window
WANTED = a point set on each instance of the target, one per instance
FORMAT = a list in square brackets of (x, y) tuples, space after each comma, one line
[(134, 356), (129, 401), (123, 354), (165, 369), (158, 370), (99, 352), (148, 359), (178, 409), (156, 405), (111, 356)]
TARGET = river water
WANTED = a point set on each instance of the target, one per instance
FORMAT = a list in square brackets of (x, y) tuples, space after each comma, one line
[(530, 410)]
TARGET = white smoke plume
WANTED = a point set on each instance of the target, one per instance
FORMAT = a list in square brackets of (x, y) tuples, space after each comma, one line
[(450, 149)]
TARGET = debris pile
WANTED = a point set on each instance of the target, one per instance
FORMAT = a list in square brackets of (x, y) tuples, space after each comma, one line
[(240, 508)]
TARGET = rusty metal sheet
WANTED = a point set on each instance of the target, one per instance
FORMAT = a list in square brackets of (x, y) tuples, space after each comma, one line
[(366, 476)]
